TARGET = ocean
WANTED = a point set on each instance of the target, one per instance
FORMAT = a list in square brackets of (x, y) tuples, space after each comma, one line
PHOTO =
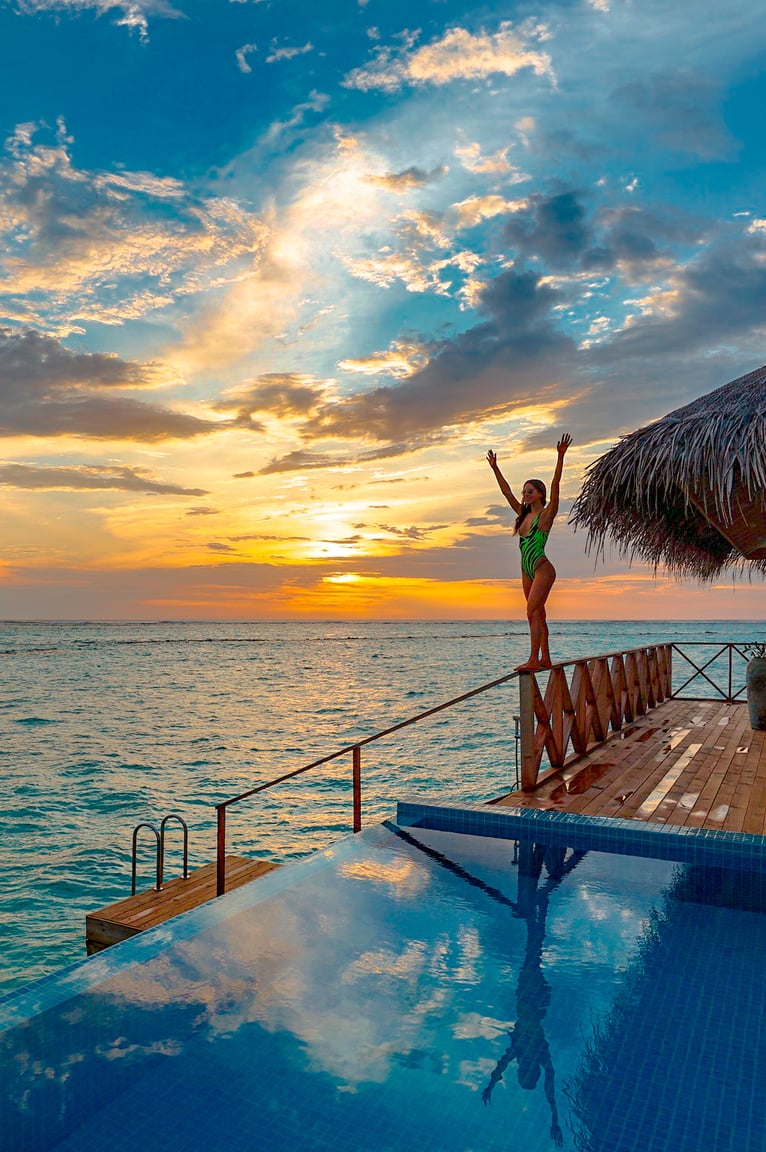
[(108, 725)]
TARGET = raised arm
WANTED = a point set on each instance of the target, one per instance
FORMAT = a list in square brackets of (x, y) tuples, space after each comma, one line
[(502, 483), (550, 511)]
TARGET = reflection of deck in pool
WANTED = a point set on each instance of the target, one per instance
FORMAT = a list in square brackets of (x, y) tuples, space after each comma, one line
[(692, 763)]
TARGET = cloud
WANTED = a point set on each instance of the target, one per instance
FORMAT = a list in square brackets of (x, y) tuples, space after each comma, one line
[(474, 209), (717, 297), (47, 389), (79, 246), (515, 357), (317, 102), (412, 269), (497, 164), (242, 55), (681, 110), (400, 360), (558, 229), (76, 478), (496, 515), (330, 202), (413, 532), (280, 394), (305, 460), (131, 14), (288, 53), (409, 178), (457, 55)]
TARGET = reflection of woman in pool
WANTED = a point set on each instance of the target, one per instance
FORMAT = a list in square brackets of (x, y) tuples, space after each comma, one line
[(534, 520), (528, 1045)]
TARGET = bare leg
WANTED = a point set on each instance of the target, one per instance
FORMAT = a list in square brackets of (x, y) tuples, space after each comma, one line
[(536, 592)]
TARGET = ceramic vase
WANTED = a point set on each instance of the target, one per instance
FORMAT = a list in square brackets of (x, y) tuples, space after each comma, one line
[(756, 693)]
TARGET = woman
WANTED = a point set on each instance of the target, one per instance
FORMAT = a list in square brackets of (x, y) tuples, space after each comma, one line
[(534, 520)]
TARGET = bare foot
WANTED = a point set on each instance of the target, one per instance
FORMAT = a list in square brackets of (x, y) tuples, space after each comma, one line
[(545, 662), (531, 666)]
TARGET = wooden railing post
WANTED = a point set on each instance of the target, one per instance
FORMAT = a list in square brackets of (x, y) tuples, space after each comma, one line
[(527, 731), (220, 886), (357, 761)]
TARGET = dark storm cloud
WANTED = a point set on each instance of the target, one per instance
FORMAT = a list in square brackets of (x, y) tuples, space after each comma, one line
[(32, 477), (47, 389)]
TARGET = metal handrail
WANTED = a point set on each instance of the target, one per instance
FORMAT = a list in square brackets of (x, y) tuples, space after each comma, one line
[(730, 696), (185, 826), (136, 830), (159, 835), (356, 751)]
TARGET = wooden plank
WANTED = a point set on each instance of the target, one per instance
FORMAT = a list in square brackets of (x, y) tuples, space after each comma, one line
[(134, 914), (689, 763)]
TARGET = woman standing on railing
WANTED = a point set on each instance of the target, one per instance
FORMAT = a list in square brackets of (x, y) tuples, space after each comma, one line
[(534, 520)]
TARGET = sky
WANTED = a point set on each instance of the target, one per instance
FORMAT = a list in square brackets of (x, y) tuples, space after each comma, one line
[(275, 275)]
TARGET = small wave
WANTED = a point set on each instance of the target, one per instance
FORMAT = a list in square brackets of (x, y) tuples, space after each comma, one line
[(32, 720)]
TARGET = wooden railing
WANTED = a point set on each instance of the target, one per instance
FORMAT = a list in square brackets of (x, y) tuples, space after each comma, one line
[(582, 710)]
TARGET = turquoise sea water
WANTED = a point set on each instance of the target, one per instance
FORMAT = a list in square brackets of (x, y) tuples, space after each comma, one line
[(106, 725)]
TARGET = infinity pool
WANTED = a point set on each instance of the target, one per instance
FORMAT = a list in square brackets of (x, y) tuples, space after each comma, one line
[(462, 980)]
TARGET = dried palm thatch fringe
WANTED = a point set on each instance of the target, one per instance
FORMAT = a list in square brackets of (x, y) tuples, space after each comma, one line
[(671, 493)]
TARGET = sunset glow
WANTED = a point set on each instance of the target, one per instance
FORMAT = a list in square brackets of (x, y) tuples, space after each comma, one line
[(258, 333)]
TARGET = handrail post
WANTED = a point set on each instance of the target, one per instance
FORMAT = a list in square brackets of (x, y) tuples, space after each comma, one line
[(357, 772), (527, 732), (220, 884)]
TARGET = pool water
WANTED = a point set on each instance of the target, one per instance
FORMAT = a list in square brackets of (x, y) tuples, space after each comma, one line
[(504, 986)]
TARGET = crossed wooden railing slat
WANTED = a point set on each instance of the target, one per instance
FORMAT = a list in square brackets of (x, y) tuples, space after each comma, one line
[(575, 714)]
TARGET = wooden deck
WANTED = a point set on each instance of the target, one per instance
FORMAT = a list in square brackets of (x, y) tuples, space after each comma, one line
[(686, 763), (146, 909)]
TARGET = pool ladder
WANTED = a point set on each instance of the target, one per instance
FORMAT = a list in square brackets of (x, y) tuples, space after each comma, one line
[(159, 834)]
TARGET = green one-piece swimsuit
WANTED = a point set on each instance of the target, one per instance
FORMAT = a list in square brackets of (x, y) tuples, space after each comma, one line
[(532, 548)]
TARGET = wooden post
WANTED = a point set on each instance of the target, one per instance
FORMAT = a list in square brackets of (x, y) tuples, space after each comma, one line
[(527, 710), (220, 870), (357, 769)]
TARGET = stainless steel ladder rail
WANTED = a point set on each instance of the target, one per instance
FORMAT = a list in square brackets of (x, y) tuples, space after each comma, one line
[(159, 835), (185, 826), (155, 830)]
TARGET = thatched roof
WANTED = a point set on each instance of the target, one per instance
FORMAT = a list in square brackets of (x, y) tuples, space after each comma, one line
[(689, 491)]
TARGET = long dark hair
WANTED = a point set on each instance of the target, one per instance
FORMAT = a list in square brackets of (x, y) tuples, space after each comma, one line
[(525, 508)]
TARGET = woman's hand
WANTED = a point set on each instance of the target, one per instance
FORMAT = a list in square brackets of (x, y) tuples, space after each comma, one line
[(563, 444), (492, 459)]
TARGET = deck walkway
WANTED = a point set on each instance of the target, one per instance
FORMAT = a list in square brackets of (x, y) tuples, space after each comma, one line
[(696, 763), (146, 909)]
